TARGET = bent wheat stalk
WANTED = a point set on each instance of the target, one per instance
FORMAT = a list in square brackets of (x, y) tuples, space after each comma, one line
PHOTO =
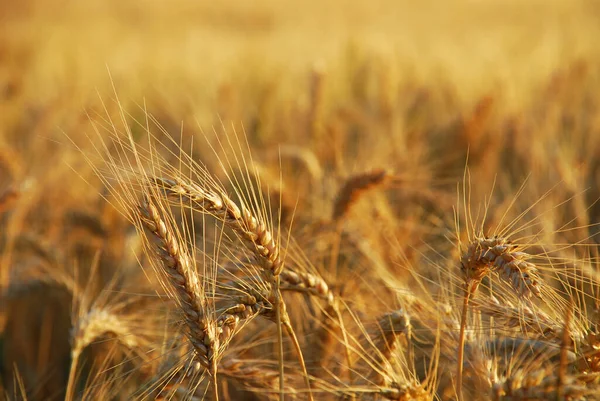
[(498, 255)]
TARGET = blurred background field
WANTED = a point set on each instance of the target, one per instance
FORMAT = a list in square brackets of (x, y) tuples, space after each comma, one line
[(414, 87), (284, 70), (186, 52)]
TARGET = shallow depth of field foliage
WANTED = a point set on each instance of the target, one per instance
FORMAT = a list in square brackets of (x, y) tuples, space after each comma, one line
[(303, 200)]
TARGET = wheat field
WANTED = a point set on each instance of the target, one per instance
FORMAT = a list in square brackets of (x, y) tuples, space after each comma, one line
[(303, 200)]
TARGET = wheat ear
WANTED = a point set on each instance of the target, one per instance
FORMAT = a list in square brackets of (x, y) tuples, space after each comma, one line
[(498, 255), (389, 327), (189, 294), (353, 188), (258, 239), (94, 324), (254, 232)]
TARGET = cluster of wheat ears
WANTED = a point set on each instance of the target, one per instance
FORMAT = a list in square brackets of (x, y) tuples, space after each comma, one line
[(236, 294)]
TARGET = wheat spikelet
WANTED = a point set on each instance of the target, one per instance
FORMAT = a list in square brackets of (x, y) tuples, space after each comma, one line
[(228, 321), (255, 235), (306, 282), (208, 336), (539, 385)]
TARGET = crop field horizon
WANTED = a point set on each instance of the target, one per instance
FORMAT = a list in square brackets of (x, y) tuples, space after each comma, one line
[(302, 200)]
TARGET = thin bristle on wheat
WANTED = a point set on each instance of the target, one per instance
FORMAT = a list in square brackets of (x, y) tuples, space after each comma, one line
[(522, 317), (291, 281)]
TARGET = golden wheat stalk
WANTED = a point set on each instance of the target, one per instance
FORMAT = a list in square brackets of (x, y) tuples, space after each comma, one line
[(485, 255)]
